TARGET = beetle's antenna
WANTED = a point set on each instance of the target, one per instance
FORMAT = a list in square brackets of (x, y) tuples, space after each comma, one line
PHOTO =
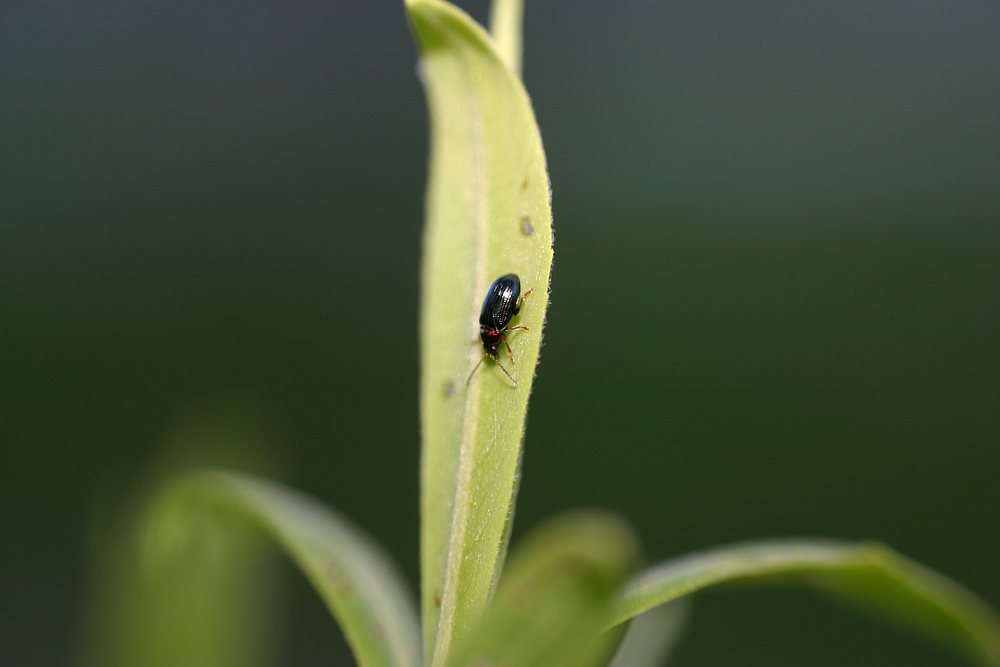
[(474, 369)]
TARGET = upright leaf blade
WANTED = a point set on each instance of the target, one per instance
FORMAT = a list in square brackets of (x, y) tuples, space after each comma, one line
[(488, 214), (869, 574), (505, 26)]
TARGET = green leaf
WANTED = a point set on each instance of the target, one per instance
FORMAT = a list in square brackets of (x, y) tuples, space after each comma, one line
[(213, 604), (551, 605), (651, 635), (217, 603), (505, 26), (868, 574), (488, 214), (359, 584)]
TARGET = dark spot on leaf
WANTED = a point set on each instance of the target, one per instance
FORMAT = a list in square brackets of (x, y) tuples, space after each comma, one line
[(526, 227)]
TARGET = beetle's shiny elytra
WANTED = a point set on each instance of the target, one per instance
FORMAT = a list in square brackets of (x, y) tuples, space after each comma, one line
[(503, 301)]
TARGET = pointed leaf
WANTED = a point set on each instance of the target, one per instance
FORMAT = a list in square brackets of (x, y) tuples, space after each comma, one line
[(355, 578), (869, 574), (488, 215), (551, 605)]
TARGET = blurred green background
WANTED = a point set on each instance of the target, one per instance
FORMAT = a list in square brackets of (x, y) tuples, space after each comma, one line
[(775, 301)]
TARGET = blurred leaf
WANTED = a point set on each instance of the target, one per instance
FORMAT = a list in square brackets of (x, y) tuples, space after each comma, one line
[(505, 26), (211, 605), (551, 605), (868, 574), (359, 584), (488, 214), (215, 604), (651, 635)]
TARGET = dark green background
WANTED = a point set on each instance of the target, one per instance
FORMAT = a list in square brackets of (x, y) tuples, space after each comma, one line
[(775, 301)]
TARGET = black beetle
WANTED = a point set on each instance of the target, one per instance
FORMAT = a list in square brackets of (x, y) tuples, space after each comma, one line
[(503, 301)]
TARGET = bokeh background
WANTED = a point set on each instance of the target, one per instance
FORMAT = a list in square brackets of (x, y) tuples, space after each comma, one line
[(775, 301)]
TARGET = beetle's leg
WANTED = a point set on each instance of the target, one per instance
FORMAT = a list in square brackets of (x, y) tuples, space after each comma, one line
[(476, 367), (520, 302), (505, 371), (509, 351), (504, 339)]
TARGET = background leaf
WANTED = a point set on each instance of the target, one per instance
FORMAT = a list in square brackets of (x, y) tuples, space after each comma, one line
[(551, 605), (354, 577), (488, 214), (870, 574), (505, 26), (651, 635), (215, 603)]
